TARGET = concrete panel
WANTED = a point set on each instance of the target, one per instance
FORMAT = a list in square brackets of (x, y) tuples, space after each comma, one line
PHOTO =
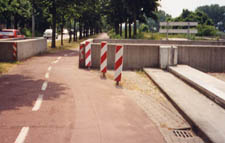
[(164, 56), (135, 56), (203, 58), (6, 52), (179, 31), (178, 23), (160, 42), (207, 58), (25, 48)]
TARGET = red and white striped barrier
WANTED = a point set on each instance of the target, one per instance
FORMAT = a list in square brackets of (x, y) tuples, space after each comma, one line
[(118, 63), (88, 54), (103, 66), (15, 51), (81, 52)]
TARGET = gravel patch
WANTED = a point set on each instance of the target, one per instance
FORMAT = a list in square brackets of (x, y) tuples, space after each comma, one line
[(147, 95)]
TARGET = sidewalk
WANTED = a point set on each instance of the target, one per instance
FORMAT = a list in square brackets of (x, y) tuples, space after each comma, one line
[(206, 115)]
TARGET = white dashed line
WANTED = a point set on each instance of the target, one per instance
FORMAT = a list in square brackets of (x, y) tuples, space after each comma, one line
[(38, 103), (22, 135), (56, 61), (59, 58), (47, 75), (49, 68), (44, 86)]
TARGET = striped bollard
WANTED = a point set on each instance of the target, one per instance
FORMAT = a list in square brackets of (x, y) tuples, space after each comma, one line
[(88, 54), (82, 56), (15, 51), (81, 52), (103, 66), (118, 63)]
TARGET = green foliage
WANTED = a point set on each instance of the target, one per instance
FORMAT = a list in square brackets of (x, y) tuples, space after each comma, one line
[(206, 30), (26, 32), (216, 13), (197, 16), (143, 28)]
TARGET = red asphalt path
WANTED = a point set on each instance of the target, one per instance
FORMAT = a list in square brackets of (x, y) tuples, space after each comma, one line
[(78, 106)]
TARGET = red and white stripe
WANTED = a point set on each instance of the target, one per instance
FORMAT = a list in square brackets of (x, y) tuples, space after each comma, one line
[(15, 51), (88, 54), (118, 63), (103, 66), (81, 52)]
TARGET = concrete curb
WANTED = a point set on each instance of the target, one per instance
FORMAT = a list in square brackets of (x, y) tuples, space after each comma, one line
[(211, 92)]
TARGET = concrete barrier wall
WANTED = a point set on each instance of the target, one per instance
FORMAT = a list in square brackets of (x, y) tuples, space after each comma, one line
[(135, 56), (25, 48), (6, 52), (204, 58), (161, 42)]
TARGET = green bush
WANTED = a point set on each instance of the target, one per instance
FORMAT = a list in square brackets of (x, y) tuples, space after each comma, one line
[(113, 35), (143, 28), (206, 30), (26, 32)]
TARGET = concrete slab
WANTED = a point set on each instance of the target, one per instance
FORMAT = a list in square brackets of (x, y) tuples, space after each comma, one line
[(203, 113), (207, 84)]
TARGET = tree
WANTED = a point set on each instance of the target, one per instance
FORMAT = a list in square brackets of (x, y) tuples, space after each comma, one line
[(205, 27), (216, 13), (139, 8)]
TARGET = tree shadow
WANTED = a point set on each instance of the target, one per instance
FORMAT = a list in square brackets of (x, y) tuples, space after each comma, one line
[(18, 91), (68, 52)]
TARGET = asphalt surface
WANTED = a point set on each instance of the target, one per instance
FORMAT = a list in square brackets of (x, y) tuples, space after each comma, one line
[(48, 99)]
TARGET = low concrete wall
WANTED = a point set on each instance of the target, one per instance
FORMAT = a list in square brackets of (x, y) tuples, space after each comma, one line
[(25, 48), (204, 58), (135, 56), (207, 58), (161, 42)]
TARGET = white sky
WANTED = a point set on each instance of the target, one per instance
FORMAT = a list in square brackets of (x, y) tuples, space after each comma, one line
[(175, 7)]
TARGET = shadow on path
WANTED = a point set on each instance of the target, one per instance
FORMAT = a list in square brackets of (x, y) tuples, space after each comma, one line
[(18, 91)]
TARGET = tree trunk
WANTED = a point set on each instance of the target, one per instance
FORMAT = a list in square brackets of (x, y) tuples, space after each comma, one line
[(33, 20), (62, 35), (74, 30), (8, 23), (129, 29), (15, 22), (117, 28), (121, 30), (53, 24), (80, 29), (70, 32), (62, 30), (135, 26), (126, 29)]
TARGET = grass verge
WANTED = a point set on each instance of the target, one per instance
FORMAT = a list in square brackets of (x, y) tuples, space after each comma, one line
[(66, 44), (5, 66)]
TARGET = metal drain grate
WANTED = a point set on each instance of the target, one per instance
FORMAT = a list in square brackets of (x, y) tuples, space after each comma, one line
[(183, 133)]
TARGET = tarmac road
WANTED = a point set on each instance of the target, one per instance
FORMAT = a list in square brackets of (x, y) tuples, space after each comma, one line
[(48, 99)]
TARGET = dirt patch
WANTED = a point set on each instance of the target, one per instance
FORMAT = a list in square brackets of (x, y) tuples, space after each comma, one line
[(220, 76)]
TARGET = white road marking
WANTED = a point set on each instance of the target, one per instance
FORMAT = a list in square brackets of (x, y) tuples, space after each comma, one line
[(56, 61), (59, 58), (38, 103), (47, 75), (44, 86), (49, 68), (22, 135)]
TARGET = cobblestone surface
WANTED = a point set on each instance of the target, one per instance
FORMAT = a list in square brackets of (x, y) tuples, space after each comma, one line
[(148, 96)]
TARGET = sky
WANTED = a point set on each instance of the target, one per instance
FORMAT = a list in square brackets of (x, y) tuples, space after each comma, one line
[(175, 7)]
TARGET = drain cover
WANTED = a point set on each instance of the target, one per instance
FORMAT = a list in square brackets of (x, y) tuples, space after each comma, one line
[(187, 133)]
